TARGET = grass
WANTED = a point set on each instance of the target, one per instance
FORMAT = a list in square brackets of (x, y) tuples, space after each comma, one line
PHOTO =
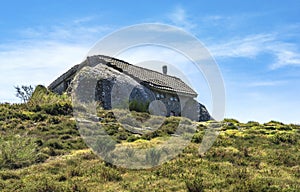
[(41, 150)]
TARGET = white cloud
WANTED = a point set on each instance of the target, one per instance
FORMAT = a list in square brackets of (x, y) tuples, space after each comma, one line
[(218, 20), (286, 57), (43, 54), (180, 18), (249, 46), (83, 20), (37, 63), (285, 54), (266, 83), (73, 32)]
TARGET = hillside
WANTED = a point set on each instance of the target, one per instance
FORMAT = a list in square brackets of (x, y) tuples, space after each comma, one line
[(41, 150)]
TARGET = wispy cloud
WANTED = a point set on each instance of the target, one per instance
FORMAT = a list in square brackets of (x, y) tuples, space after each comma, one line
[(83, 19), (218, 20), (44, 53), (71, 32), (34, 63), (32, 55), (180, 18), (250, 46), (266, 83), (284, 54)]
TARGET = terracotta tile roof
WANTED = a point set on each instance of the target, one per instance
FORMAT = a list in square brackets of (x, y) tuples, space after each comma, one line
[(149, 77), (152, 78), (61, 78)]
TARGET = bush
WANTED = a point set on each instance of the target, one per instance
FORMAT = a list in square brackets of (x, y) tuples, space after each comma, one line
[(132, 138), (38, 117), (110, 174), (42, 184), (138, 106), (197, 137), (273, 123), (252, 123), (17, 152), (194, 184), (284, 138), (54, 143), (54, 120), (58, 109), (122, 135), (6, 175), (234, 121)]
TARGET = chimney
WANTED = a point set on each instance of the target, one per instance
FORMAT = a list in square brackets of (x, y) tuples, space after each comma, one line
[(164, 69)]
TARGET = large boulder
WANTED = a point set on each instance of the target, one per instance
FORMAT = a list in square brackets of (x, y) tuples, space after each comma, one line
[(114, 89), (108, 86)]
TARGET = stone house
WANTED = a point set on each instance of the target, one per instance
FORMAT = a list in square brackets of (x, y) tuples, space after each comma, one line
[(177, 97)]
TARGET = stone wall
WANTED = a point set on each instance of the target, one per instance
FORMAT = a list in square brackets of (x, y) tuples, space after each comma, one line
[(115, 89)]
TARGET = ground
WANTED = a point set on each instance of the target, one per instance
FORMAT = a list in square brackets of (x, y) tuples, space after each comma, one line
[(41, 150)]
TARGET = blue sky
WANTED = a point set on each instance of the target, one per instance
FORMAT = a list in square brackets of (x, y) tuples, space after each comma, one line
[(255, 43)]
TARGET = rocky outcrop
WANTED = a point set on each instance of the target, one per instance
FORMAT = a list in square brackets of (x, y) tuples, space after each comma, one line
[(203, 113), (115, 89)]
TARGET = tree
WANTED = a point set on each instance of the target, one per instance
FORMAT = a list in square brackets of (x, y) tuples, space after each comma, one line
[(24, 92)]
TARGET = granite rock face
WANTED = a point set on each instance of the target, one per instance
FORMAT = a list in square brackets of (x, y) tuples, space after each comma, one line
[(203, 113), (114, 89)]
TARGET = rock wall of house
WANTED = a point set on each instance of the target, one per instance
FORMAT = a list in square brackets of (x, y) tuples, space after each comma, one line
[(115, 89), (103, 92), (60, 88), (203, 113), (141, 94), (171, 102)]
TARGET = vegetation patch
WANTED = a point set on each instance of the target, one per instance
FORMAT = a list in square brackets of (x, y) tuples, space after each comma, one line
[(41, 150)]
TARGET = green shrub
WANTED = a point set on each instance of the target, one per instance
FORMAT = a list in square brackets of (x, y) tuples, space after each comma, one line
[(6, 175), (194, 184), (74, 171), (121, 135), (284, 138), (111, 128), (132, 138), (41, 96), (273, 123), (42, 184), (197, 137), (110, 174), (17, 151), (41, 157), (234, 121), (252, 123), (54, 120), (54, 143), (58, 109), (138, 106), (38, 117)]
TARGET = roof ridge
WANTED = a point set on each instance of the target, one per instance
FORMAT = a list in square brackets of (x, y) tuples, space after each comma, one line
[(165, 82)]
